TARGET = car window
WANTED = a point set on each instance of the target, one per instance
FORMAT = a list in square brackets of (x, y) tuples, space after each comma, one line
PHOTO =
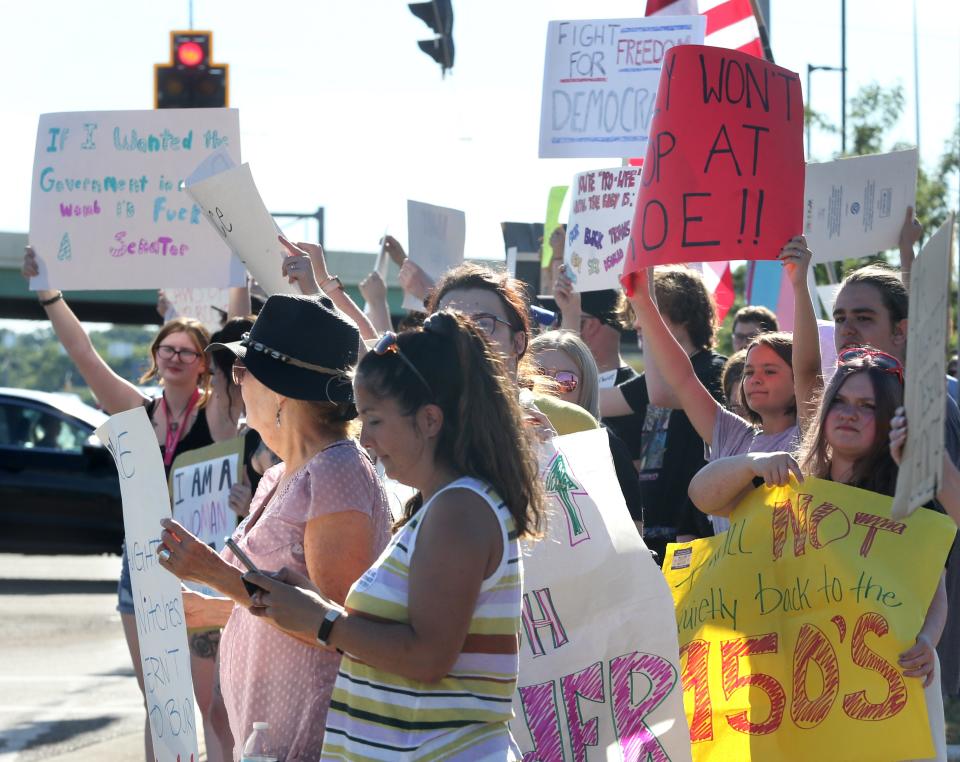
[(29, 427)]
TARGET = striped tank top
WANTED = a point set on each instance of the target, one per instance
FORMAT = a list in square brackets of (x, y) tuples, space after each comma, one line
[(377, 715)]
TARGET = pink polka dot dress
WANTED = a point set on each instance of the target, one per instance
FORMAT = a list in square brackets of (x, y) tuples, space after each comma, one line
[(266, 675)]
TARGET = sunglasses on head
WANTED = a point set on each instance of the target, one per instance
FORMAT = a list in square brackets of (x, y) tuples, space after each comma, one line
[(388, 344), (886, 363), (238, 372), (567, 381)]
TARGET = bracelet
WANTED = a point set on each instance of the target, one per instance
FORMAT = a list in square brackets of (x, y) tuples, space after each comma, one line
[(52, 299), (331, 279)]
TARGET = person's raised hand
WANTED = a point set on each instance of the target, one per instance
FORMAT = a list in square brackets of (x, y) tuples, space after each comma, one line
[(919, 660), (795, 258), (300, 268), (393, 250), (775, 467), (414, 280), (163, 304), (568, 300), (373, 289), (898, 434), (911, 231), (240, 497), (30, 267), (558, 242)]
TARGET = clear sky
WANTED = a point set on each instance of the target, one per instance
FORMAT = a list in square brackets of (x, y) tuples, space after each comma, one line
[(339, 108)]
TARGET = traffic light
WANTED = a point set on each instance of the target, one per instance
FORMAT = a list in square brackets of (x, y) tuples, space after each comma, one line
[(191, 79), (438, 15)]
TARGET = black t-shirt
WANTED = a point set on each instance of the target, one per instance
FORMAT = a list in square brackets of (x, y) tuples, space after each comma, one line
[(627, 427), (671, 450), (626, 476)]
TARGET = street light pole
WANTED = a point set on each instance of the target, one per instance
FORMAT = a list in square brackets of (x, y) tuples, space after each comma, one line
[(843, 76)]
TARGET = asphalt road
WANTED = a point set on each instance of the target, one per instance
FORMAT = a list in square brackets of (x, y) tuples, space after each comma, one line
[(66, 682)]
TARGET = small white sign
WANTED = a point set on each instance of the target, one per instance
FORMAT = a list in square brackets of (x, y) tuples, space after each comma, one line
[(436, 236)]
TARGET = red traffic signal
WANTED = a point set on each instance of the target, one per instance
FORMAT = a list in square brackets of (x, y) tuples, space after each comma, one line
[(191, 79)]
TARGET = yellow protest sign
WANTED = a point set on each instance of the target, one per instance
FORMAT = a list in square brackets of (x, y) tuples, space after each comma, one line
[(791, 622)]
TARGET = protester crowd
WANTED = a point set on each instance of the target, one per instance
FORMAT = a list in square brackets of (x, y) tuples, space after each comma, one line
[(371, 636)]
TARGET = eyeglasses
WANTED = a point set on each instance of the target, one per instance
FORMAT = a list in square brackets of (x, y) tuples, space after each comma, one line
[(186, 356), (238, 372), (387, 344), (488, 323), (886, 363), (567, 381)]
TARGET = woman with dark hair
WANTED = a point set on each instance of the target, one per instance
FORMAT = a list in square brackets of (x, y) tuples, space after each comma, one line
[(321, 512), (430, 631), (857, 439)]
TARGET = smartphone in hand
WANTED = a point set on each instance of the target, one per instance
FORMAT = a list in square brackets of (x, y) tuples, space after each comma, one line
[(245, 560)]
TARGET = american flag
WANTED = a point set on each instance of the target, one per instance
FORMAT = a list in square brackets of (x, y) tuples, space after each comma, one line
[(730, 23)]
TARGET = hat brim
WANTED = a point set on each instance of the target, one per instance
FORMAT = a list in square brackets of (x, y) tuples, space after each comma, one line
[(297, 383), (235, 347)]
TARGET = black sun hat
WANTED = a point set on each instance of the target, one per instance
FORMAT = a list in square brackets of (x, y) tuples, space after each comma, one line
[(300, 347)]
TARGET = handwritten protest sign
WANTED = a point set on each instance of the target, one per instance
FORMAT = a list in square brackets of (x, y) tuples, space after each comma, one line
[(600, 83), (436, 235), (855, 207), (208, 305), (106, 209), (200, 482), (598, 660), (554, 203), (158, 605), (723, 173), (598, 228), (231, 203), (925, 395), (791, 623)]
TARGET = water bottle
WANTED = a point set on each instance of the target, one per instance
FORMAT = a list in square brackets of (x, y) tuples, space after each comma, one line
[(258, 747)]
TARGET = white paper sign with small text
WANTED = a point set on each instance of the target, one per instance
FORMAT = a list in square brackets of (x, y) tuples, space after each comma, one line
[(208, 305), (158, 604), (106, 208), (600, 82)]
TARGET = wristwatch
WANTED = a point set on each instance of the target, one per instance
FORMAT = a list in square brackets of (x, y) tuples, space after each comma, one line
[(326, 626)]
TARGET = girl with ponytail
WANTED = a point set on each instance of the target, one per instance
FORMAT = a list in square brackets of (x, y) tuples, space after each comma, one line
[(430, 631)]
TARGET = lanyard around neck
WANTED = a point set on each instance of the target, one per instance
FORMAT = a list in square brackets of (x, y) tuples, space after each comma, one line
[(175, 430)]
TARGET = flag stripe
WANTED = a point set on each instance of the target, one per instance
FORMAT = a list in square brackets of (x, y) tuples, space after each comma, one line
[(726, 14), (736, 35)]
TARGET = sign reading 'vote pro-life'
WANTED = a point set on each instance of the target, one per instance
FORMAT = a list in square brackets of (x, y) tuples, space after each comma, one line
[(600, 83), (792, 621), (106, 208), (723, 173)]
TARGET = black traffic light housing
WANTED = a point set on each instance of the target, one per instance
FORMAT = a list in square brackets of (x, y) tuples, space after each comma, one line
[(438, 15), (191, 79)]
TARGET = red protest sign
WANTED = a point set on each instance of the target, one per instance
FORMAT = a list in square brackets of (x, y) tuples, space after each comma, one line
[(723, 174)]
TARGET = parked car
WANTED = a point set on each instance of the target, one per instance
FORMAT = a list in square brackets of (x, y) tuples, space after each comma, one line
[(59, 491)]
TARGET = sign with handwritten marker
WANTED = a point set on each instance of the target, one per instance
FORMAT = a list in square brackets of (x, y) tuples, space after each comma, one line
[(200, 483), (599, 676), (199, 303), (158, 605), (231, 203), (925, 396), (855, 207), (792, 621), (437, 236), (598, 229), (600, 83), (723, 173), (106, 208)]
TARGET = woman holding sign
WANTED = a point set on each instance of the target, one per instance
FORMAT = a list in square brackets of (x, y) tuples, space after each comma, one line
[(857, 438)]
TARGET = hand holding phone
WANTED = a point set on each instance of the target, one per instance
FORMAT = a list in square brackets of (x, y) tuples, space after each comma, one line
[(245, 560)]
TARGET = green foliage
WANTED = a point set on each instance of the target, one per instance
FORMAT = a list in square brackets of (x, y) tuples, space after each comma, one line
[(873, 111)]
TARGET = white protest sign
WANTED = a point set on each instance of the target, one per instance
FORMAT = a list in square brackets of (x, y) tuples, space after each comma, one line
[(855, 207), (231, 203), (199, 303), (599, 653), (925, 395), (598, 228), (200, 482), (106, 209), (436, 236), (600, 83), (161, 631), (512, 261)]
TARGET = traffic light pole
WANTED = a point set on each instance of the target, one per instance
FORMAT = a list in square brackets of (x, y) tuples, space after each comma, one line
[(317, 215)]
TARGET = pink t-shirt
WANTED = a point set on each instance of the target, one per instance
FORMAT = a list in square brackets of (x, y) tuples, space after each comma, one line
[(266, 675)]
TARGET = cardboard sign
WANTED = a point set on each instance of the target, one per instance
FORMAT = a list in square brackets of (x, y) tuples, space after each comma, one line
[(598, 654), (106, 209), (161, 628), (598, 229), (199, 303), (723, 173), (200, 482), (436, 235), (791, 623), (600, 83), (925, 395), (855, 207), (231, 203), (554, 202)]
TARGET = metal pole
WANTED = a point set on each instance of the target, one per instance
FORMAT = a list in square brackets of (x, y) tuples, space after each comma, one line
[(843, 76), (319, 217), (916, 76), (190, 4)]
